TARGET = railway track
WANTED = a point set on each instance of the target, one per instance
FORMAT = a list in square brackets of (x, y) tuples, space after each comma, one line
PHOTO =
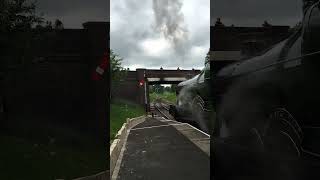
[(162, 108)]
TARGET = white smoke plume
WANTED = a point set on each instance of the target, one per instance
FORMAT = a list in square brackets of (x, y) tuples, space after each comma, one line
[(169, 20)]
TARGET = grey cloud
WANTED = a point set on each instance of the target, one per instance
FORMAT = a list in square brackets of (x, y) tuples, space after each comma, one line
[(132, 24), (125, 40), (201, 36), (169, 20), (173, 60), (74, 13), (254, 12)]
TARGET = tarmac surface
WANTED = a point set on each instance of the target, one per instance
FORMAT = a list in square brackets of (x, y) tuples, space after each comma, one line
[(157, 149)]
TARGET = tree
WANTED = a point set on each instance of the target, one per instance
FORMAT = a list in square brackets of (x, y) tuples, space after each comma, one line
[(43, 27), (266, 24), (17, 18), (58, 25), (167, 88), (151, 89), (173, 87), (158, 89), (207, 58), (117, 71), (18, 15), (219, 23)]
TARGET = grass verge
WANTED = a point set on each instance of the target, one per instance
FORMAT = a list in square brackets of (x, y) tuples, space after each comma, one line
[(28, 158), (169, 96), (120, 111)]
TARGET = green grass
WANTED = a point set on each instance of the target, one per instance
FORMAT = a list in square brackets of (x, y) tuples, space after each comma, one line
[(51, 151), (39, 149), (169, 96), (28, 159), (120, 111)]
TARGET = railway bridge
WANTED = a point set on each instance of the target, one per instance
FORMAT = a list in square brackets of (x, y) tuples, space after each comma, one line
[(135, 85)]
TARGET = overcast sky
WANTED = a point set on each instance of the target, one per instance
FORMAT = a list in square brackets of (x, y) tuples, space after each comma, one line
[(254, 12), (168, 33), (73, 13), (160, 33)]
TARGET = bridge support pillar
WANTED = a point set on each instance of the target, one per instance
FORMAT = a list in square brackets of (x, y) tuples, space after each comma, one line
[(142, 90), (98, 45), (147, 95)]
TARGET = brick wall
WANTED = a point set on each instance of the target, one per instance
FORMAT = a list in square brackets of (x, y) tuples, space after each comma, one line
[(58, 87)]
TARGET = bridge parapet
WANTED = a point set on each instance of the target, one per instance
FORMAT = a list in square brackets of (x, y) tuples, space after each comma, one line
[(135, 86), (171, 73)]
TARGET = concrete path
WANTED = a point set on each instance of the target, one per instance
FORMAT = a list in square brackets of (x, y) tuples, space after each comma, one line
[(160, 149), (100, 176)]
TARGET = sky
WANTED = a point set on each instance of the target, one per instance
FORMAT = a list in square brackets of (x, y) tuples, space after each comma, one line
[(73, 13), (160, 33), (167, 33), (254, 12)]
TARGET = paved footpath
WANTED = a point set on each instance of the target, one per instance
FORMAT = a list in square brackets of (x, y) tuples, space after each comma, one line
[(159, 149)]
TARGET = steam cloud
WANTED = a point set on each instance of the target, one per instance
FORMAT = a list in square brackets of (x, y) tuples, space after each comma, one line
[(169, 20)]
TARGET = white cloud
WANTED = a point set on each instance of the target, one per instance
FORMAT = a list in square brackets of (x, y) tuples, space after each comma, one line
[(198, 50), (133, 36), (155, 47)]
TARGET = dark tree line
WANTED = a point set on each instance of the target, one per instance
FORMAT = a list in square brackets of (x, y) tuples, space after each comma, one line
[(158, 88), (19, 25)]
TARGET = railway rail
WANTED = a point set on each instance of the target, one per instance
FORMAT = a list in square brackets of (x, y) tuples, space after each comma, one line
[(162, 108)]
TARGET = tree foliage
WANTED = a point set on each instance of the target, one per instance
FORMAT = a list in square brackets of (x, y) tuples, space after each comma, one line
[(167, 88), (158, 88), (219, 23), (117, 71), (173, 87), (18, 15), (58, 25), (17, 18), (207, 58)]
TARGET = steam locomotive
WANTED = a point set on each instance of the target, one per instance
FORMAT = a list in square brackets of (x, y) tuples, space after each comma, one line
[(281, 80), (267, 106), (193, 101), (262, 110)]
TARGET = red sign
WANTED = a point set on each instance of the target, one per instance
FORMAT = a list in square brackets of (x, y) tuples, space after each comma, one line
[(141, 82), (99, 71)]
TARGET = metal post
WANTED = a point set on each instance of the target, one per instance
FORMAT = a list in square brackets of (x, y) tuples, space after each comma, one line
[(145, 92)]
